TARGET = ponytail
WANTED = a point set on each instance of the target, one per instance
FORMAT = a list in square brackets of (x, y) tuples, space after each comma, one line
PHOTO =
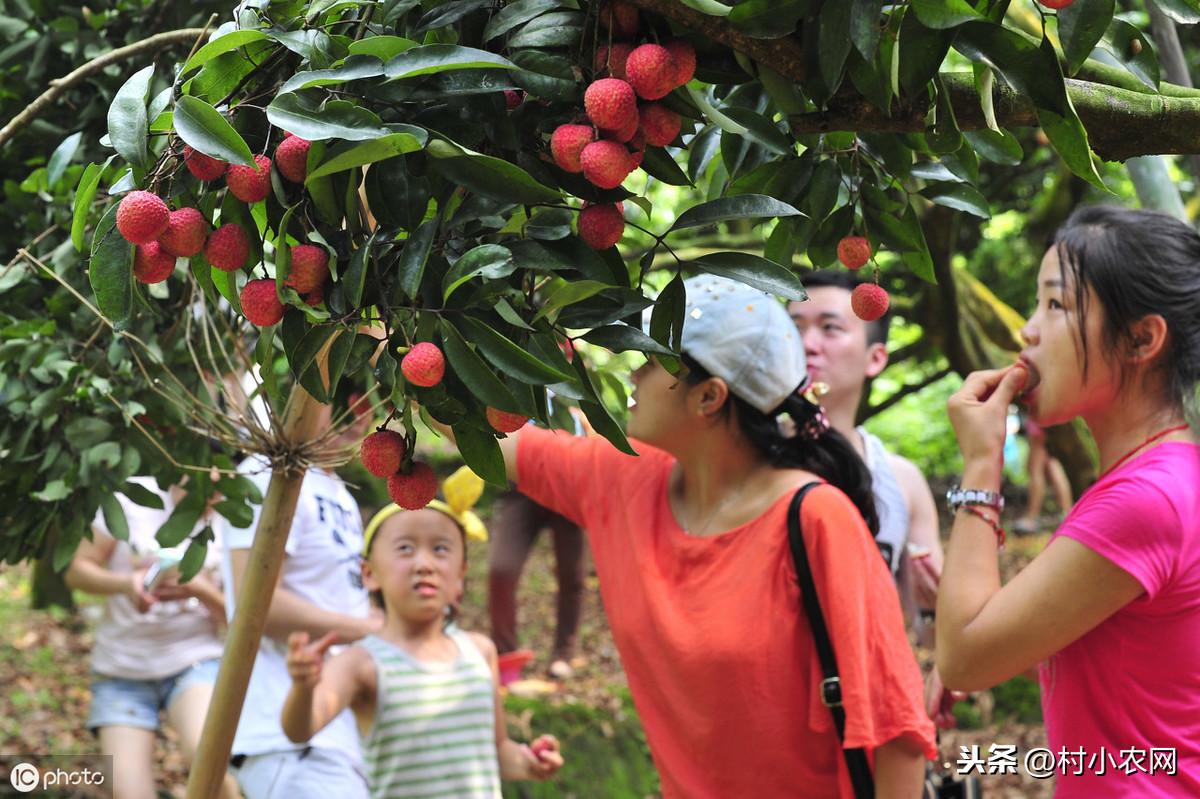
[(814, 447)]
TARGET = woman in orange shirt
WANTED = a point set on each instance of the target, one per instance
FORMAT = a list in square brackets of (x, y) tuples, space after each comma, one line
[(690, 543)]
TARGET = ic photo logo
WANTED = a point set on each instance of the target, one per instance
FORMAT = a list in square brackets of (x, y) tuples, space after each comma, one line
[(25, 777)]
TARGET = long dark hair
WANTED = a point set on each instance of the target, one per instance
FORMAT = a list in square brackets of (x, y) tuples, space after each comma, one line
[(828, 455), (1138, 262)]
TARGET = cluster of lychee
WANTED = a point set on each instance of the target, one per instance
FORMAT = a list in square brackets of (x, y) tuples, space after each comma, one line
[(869, 301), (412, 486), (162, 235), (622, 116)]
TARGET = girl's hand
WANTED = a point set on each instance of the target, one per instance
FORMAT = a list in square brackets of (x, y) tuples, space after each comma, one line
[(545, 757), (979, 410), (137, 593), (200, 586), (304, 659), (939, 702)]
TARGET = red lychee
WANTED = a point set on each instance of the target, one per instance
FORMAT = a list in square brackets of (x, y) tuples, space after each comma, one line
[(260, 303), (503, 422), (310, 267), (637, 149), (605, 164), (567, 142), (513, 98), (619, 17), (228, 247), (568, 349), (625, 134), (315, 297), (291, 158), (683, 55), (186, 233), (1056, 4), (613, 59), (853, 251), (424, 365), (414, 490), (601, 226), (610, 103), (660, 124), (202, 166), (651, 71), (152, 264), (382, 452), (142, 217), (250, 185), (869, 301)]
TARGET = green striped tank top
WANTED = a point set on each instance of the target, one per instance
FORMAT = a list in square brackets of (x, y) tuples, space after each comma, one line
[(435, 726)]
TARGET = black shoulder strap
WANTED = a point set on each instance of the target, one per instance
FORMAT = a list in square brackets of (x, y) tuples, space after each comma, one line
[(831, 686)]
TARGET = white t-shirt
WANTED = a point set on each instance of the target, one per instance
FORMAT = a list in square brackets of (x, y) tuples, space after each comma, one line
[(321, 566), (169, 637)]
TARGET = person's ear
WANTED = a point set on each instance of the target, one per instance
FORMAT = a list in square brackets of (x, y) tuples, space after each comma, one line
[(1148, 338), (368, 577), (711, 396), (877, 359)]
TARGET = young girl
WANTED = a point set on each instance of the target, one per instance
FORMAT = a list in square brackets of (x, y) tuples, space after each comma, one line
[(1111, 608), (425, 694)]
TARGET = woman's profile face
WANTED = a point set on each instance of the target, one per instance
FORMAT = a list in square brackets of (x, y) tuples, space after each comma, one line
[(659, 407)]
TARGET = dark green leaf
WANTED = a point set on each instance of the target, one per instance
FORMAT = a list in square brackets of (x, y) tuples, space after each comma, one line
[(833, 41), (110, 270), (203, 127), (506, 355), (761, 130), (561, 29), (620, 338), (311, 119), (431, 58), (666, 320), (415, 256), (1138, 59), (660, 165), (382, 47), (864, 26), (515, 14), (1080, 26), (918, 260), (140, 495), (999, 147), (356, 272), (128, 125), (370, 152), (356, 67), (473, 372), (193, 560), (770, 19), (943, 14), (823, 189), (223, 44), (960, 196), (753, 270), (489, 261), (568, 293), (448, 13), (481, 452), (182, 521), (546, 75), (63, 154), (744, 206), (922, 51), (822, 249), (491, 177), (84, 195), (1185, 12), (86, 432)]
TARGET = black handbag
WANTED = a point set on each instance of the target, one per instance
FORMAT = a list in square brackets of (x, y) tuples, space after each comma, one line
[(937, 786)]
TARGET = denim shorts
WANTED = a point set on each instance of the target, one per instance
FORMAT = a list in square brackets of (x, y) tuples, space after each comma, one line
[(137, 703)]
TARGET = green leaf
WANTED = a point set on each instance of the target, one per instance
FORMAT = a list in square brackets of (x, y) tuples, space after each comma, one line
[(620, 338), (110, 270), (561, 29), (182, 521), (769, 19), (114, 517), (55, 491), (382, 47), (356, 273), (84, 194), (206, 130), (223, 44), (1185, 12), (997, 146), (339, 356), (356, 67), (1138, 59), (545, 75), (666, 320), (744, 206), (432, 58), (370, 152), (710, 7), (823, 189), (753, 270), (468, 367), (515, 361), (489, 261), (317, 121), (761, 130), (921, 52), (515, 14), (415, 255), (568, 293), (63, 154), (86, 432), (128, 125), (481, 452), (193, 560), (140, 495), (864, 26), (833, 41), (508, 314), (448, 13), (492, 177), (658, 163), (597, 414), (943, 14), (960, 196), (1080, 27)]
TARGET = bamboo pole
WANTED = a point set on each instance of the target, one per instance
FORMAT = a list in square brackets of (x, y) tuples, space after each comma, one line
[(253, 600)]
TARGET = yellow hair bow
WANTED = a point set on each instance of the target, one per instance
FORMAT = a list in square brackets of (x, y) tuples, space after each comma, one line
[(461, 489)]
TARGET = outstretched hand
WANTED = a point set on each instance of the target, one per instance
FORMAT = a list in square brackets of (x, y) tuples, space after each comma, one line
[(979, 411), (543, 756), (304, 659)]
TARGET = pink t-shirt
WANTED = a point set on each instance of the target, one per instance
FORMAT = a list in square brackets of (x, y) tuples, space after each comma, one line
[(1130, 688)]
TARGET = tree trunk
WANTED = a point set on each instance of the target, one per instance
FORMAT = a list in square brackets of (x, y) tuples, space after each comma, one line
[(253, 601)]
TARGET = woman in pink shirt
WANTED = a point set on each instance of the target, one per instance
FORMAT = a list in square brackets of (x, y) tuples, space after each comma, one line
[(1110, 610)]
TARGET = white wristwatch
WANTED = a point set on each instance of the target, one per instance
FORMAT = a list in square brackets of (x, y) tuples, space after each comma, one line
[(957, 496)]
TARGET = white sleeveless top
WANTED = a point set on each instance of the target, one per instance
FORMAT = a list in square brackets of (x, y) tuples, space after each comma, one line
[(889, 501)]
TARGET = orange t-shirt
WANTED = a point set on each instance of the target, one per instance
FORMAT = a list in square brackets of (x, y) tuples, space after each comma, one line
[(711, 630)]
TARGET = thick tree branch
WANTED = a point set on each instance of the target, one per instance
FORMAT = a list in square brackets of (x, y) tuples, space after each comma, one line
[(910, 388), (58, 87)]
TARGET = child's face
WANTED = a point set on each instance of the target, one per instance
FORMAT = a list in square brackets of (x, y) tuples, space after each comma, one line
[(417, 561)]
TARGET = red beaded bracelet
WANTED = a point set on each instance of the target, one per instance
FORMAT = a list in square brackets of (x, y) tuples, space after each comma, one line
[(993, 523)]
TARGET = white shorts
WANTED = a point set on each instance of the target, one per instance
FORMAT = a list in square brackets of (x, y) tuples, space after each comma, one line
[(308, 773)]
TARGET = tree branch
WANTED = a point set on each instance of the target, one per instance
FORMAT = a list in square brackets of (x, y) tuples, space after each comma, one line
[(58, 87), (909, 388)]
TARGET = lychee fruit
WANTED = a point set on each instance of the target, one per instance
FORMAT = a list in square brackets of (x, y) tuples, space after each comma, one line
[(568, 349), (660, 124), (869, 301), (424, 365), (567, 142), (260, 303), (601, 226), (650, 70), (605, 164), (310, 267), (610, 103), (202, 166), (142, 217), (683, 56), (250, 185), (1056, 4), (186, 233), (853, 251), (619, 17), (315, 297), (414, 490), (613, 59), (504, 422), (637, 149), (625, 134), (152, 264), (291, 158), (359, 403), (228, 247), (383, 452), (513, 98)]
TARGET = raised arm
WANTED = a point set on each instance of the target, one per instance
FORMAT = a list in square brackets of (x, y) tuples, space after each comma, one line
[(320, 690)]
